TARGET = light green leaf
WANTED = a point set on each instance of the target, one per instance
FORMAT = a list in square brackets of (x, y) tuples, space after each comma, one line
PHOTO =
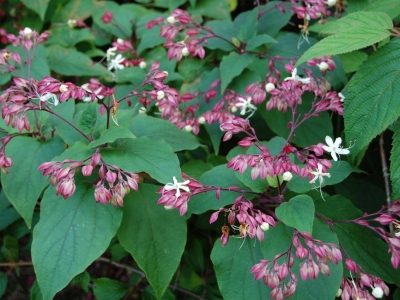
[(154, 157), (244, 24), (67, 37), (79, 151), (159, 129), (155, 237), (259, 40), (371, 103), (70, 62), (231, 66), (38, 6), (298, 213), (395, 163), (224, 31), (346, 41), (106, 288), (215, 9), (390, 7), (70, 235), (110, 135), (232, 265), (352, 61), (75, 10), (24, 183), (88, 118)]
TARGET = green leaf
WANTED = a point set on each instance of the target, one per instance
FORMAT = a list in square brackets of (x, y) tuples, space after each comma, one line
[(10, 248), (75, 10), (3, 283), (70, 62), (154, 236), (83, 279), (79, 151), (259, 40), (273, 19), (352, 61), (67, 37), (8, 213), (154, 157), (215, 9), (232, 265), (224, 31), (357, 240), (38, 6), (215, 133), (298, 213), (151, 39), (159, 129), (371, 103), (70, 235), (24, 183), (195, 168), (87, 120), (244, 24), (395, 163), (346, 41), (35, 293), (110, 135), (219, 176), (106, 288), (390, 7), (339, 172), (231, 66)]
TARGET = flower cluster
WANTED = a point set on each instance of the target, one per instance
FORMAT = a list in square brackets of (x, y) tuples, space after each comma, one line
[(177, 194), (106, 190), (5, 162), (252, 222)]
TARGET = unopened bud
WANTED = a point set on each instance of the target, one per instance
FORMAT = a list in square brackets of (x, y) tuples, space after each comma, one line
[(331, 2), (188, 128), (339, 293), (185, 51), (202, 120), (171, 20), (63, 88), (287, 176), (168, 207), (234, 109), (160, 95), (269, 87), (120, 41), (142, 110), (377, 292), (71, 23), (142, 64), (264, 226), (28, 32), (323, 66)]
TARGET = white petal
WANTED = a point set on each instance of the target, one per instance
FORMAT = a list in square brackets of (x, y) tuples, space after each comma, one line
[(338, 141), (329, 141), (342, 151), (326, 148), (334, 156)]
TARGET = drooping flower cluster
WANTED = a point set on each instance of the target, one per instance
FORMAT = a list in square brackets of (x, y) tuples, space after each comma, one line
[(177, 194), (62, 173), (252, 222)]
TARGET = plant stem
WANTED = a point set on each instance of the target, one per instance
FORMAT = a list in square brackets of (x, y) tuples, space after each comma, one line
[(385, 173)]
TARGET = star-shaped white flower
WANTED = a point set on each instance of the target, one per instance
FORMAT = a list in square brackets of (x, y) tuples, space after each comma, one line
[(297, 78), (319, 175), (342, 97), (116, 63), (177, 186), (334, 147), (110, 52), (245, 105), (49, 98)]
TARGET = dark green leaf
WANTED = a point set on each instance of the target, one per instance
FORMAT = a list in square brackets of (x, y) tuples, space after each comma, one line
[(83, 279), (10, 248), (231, 66), (38, 6), (35, 293), (259, 40), (215, 9), (8, 213), (154, 236), (224, 31), (70, 62), (154, 157), (215, 133), (3, 283), (24, 183), (272, 19), (88, 118), (106, 288), (159, 129), (196, 168), (70, 235), (352, 61), (244, 25), (112, 134), (67, 37), (371, 103), (298, 213)]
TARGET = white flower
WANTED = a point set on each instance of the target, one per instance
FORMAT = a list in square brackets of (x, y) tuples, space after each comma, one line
[(177, 186), (297, 78), (160, 95), (28, 32), (319, 175), (342, 97), (50, 98), (269, 87), (110, 52), (334, 147), (377, 292), (245, 105), (287, 176), (96, 92), (116, 63)]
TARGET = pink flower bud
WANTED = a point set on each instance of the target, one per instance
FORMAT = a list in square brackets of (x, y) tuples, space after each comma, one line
[(246, 142), (87, 170), (384, 219), (15, 56), (351, 265)]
